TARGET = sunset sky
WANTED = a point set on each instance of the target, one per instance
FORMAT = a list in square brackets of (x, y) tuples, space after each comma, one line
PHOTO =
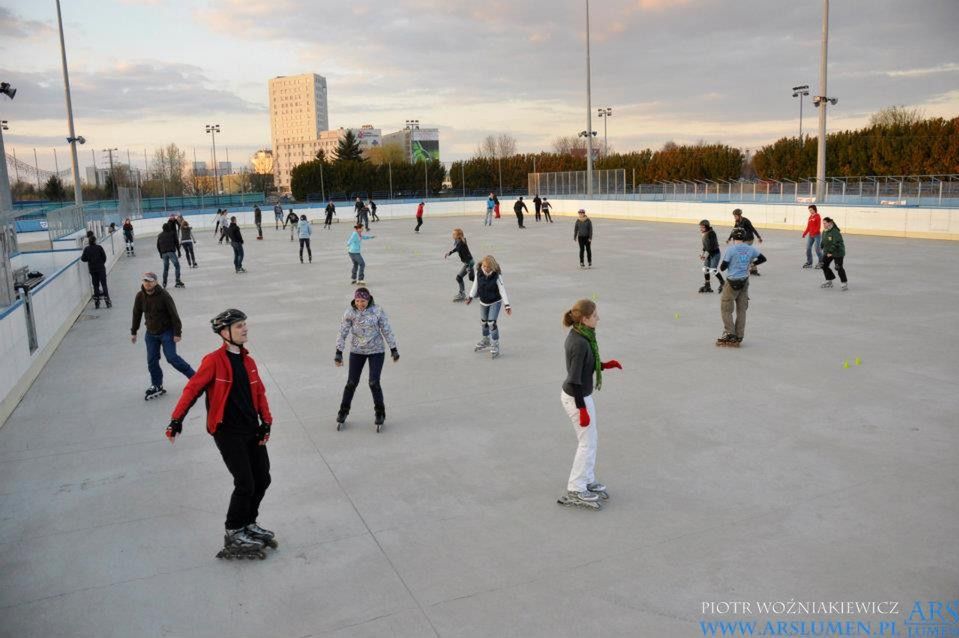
[(150, 72)]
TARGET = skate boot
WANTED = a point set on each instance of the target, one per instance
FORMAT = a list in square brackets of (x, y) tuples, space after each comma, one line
[(459, 297), (96, 302), (845, 286), (352, 282), (580, 499), (706, 288), (482, 344), (721, 286), (109, 303), (494, 350), (238, 543), (727, 341), (380, 417), (818, 266), (153, 392), (341, 418), (599, 489), (807, 265), (360, 282), (265, 536), (179, 284), (827, 284)]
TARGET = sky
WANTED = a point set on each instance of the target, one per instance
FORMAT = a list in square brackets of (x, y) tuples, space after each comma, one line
[(145, 73)]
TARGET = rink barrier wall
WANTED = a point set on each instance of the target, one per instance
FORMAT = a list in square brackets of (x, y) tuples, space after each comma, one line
[(57, 302), (906, 223)]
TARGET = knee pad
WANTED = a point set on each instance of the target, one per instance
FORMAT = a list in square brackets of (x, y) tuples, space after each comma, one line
[(374, 385), (492, 325)]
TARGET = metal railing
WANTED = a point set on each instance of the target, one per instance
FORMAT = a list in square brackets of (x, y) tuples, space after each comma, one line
[(891, 190)]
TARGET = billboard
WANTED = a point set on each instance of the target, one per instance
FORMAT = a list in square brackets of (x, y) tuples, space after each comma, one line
[(425, 144)]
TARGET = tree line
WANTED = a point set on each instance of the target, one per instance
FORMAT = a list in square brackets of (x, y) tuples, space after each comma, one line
[(896, 142)]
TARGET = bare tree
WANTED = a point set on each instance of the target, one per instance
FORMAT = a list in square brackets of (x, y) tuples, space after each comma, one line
[(487, 148), (570, 145), (505, 145), (167, 167), (897, 116)]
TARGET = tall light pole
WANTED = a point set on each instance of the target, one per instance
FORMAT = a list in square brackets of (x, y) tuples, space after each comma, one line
[(113, 175), (73, 137), (589, 114), (800, 92), (605, 113), (213, 129), (821, 101)]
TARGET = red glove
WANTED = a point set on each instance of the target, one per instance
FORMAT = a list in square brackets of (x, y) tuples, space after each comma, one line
[(612, 363), (583, 418)]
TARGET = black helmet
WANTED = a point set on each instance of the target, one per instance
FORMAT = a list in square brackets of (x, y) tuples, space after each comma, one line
[(226, 319), (704, 222), (739, 234)]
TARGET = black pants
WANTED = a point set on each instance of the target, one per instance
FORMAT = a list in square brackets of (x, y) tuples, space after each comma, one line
[(99, 280), (357, 361), (419, 222), (259, 230), (374, 217), (546, 214), (585, 244), (538, 209), (190, 256), (249, 464), (828, 271), (519, 218), (305, 241), (329, 220)]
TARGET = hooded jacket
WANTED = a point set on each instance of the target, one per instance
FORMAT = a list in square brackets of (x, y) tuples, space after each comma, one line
[(167, 241), (160, 311)]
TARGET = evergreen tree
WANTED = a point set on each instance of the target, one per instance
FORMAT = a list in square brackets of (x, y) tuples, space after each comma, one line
[(54, 190), (348, 149)]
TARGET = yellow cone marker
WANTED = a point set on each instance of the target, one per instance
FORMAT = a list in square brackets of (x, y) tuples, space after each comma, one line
[(858, 361), (595, 298), (677, 315), (845, 364)]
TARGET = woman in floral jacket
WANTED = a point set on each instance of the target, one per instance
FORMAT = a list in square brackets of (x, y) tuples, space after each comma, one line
[(369, 326)]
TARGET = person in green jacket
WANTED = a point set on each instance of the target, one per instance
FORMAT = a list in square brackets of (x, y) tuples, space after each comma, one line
[(834, 250)]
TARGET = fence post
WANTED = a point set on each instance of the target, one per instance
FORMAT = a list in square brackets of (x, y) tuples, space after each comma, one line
[(919, 194), (940, 193)]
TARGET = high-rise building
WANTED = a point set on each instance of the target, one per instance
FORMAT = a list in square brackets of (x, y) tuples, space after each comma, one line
[(298, 113)]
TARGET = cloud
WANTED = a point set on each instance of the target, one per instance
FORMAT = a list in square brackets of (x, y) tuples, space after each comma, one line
[(13, 26), (132, 90)]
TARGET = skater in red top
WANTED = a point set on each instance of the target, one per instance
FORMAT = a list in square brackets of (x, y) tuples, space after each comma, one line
[(239, 419), (813, 237), (419, 217)]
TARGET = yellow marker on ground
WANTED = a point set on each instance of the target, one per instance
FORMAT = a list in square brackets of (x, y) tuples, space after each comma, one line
[(858, 361), (845, 364), (677, 315)]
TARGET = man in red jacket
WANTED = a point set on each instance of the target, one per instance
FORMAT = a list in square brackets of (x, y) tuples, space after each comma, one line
[(238, 417), (419, 217), (813, 237)]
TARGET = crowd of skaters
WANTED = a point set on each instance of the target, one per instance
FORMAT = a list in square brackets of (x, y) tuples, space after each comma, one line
[(238, 412)]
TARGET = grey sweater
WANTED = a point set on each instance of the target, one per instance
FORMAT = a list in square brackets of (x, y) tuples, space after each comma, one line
[(583, 228), (580, 366)]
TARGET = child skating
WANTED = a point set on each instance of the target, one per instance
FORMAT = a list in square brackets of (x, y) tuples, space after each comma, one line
[(710, 256), (238, 417), (462, 249), (128, 237), (354, 246), (305, 232), (491, 290), (582, 362), (368, 326), (293, 221)]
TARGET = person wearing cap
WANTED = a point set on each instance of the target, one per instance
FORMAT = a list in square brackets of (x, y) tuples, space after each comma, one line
[(738, 259), (710, 255), (751, 234), (236, 241), (163, 331), (419, 216), (583, 233), (835, 250), (238, 417), (518, 207), (354, 246), (368, 326)]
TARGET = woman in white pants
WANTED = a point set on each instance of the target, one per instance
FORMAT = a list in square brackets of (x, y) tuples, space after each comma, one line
[(582, 362)]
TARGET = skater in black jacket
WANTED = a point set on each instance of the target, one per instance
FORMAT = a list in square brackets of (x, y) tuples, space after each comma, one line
[(167, 245), (583, 234), (462, 249), (96, 260), (710, 256), (163, 331), (293, 220), (330, 211), (518, 208), (236, 240), (751, 234)]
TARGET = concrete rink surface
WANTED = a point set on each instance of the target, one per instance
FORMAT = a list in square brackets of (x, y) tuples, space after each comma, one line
[(771, 472)]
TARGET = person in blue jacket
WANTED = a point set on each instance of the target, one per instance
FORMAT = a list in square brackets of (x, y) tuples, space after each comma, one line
[(353, 246)]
